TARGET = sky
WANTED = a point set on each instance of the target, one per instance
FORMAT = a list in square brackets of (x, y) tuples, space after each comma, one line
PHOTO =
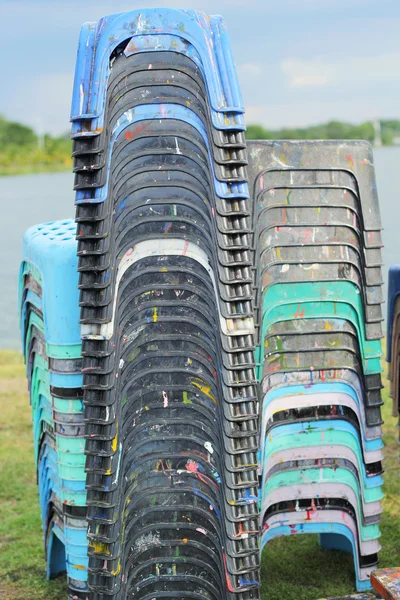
[(300, 62)]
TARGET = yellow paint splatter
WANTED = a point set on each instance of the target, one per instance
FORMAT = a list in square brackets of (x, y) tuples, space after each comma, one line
[(164, 270), (155, 315), (114, 443), (205, 389), (328, 327), (117, 570), (100, 548)]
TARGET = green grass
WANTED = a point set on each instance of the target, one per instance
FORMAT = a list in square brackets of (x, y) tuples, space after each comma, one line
[(293, 568), (22, 566)]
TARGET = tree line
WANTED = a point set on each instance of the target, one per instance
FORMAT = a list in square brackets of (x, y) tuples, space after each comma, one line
[(23, 151), (334, 130)]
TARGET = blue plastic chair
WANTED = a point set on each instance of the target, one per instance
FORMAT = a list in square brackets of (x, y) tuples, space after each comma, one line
[(57, 263), (393, 293), (207, 35), (161, 111)]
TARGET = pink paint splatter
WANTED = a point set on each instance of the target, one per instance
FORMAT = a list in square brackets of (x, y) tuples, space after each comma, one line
[(165, 398), (192, 466)]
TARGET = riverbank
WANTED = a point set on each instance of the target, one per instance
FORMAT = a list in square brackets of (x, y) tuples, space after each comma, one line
[(56, 168), (34, 164), (294, 568)]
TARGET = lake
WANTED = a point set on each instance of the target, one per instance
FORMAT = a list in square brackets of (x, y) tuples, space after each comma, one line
[(31, 199)]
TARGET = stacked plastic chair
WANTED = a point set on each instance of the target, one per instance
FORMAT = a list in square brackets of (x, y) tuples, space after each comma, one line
[(318, 275), (393, 335), (49, 317), (166, 300), (224, 342)]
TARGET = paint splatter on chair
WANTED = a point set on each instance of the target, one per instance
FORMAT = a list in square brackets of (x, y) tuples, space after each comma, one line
[(216, 324), (317, 240)]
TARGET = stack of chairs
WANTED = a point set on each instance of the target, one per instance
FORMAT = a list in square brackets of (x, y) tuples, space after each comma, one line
[(318, 287), (49, 319), (217, 374), (166, 297), (392, 337)]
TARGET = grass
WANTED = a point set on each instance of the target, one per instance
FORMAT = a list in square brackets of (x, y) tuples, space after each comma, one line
[(54, 155), (293, 568), (22, 566)]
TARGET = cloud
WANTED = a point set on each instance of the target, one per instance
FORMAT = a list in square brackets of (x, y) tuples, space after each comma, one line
[(249, 69), (275, 115), (309, 79), (321, 71)]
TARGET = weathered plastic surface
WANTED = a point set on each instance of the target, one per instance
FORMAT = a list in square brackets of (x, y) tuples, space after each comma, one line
[(386, 582), (172, 346), (318, 279), (156, 112), (272, 256), (207, 35), (286, 479), (393, 352), (51, 249), (353, 157), (393, 293), (339, 483), (344, 455), (319, 236), (303, 527), (322, 395), (316, 431), (314, 308), (48, 304)]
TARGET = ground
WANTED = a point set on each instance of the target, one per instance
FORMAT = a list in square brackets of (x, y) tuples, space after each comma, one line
[(293, 568)]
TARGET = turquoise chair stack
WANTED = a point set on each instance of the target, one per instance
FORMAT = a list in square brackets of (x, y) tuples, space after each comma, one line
[(317, 240), (49, 320)]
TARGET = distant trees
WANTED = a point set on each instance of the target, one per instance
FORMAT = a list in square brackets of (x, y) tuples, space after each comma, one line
[(334, 130), (20, 151), (15, 134)]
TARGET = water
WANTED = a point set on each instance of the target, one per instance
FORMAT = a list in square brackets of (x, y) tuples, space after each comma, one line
[(30, 199), (25, 201)]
